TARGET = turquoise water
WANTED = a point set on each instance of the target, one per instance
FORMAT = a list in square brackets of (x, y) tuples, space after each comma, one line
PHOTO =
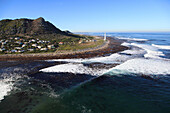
[(140, 83)]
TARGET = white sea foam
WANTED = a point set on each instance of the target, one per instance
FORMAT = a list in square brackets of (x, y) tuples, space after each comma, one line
[(114, 58), (152, 52), (134, 51), (126, 44), (161, 46), (142, 66), (74, 68), (5, 87), (8, 77), (118, 57), (69, 60), (134, 39)]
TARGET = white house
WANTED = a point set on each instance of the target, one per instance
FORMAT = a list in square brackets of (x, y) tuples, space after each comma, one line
[(23, 45), (17, 38), (33, 40), (34, 45), (51, 46), (30, 49), (13, 51), (2, 49), (18, 47), (39, 47), (44, 49)]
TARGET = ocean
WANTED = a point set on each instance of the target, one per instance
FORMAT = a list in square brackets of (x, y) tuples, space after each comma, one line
[(136, 80)]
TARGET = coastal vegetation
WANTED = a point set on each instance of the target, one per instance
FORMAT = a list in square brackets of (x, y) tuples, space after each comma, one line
[(81, 45), (17, 45)]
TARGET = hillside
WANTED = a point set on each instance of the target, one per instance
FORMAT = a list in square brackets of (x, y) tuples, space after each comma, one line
[(38, 28), (39, 36)]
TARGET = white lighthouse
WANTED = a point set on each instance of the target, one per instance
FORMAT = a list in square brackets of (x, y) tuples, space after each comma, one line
[(105, 37)]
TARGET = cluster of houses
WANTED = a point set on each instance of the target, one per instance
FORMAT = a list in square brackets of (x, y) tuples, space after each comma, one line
[(21, 45)]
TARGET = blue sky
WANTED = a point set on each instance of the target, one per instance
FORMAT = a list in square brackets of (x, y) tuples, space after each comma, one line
[(93, 15)]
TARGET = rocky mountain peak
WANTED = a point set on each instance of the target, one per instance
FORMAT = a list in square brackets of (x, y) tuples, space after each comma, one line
[(40, 20), (28, 27)]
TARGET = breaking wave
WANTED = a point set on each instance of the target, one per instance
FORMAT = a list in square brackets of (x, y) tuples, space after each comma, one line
[(134, 39), (151, 51), (142, 66), (161, 46), (74, 68)]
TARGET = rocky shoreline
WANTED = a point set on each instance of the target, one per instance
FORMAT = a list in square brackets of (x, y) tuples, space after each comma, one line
[(111, 46)]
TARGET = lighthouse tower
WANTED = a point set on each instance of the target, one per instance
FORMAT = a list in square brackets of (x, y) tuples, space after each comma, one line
[(105, 37)]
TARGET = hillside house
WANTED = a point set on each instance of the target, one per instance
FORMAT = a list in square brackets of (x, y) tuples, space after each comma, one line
[(61, 43), (51, 46), (34, 45), (44, 49), (39, 47)]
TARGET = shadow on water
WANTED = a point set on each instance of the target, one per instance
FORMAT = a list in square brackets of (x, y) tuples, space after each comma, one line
[(61, 81), (108, 94)]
